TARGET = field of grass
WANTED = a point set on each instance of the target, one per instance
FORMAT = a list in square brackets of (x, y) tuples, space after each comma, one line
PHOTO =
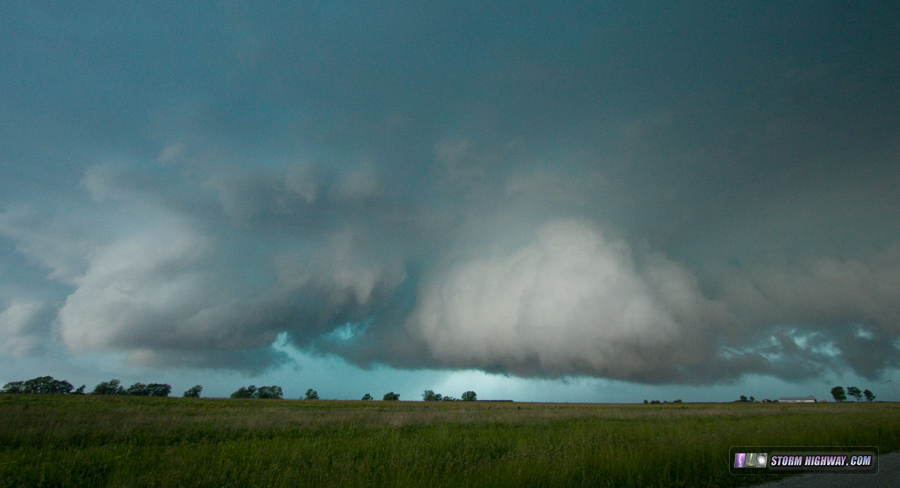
[(51, 440)]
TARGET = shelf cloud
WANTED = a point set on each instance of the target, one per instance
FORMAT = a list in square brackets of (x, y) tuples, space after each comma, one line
[(657, 195)]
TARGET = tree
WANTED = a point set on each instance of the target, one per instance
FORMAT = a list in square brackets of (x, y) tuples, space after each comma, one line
[(854, 392), (312, 394), (43, 385), (245, 392), (367, 397), (159, 389), (469, 396), (138, 389), (153, 389), (744, 399), (110, 387), (391, 396), (752, 399), (431, 396), (14, 387), (838, 393), (271, 392), (193, 392), (870, 397), (79, 391), (47, 385)]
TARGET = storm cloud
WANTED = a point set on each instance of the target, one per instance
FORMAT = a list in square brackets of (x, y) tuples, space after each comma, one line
[(651, 194)]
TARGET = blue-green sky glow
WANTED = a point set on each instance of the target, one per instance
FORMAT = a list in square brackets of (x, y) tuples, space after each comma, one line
[(570, 201)]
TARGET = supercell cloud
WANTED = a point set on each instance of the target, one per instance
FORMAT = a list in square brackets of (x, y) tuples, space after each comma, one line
[(653, 194)]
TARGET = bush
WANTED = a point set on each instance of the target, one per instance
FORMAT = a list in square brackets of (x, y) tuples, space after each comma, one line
[(391, 396)]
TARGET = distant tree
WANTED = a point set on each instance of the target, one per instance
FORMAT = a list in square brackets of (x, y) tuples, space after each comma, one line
[(193, 392), (312, 394), (469, 396), (838, 393), (159, 389), (431, 396), (679, 400), (854, 392), (391, 396), (43, 385), (111, 387), (744, 399), (449, 399), (138, 389), (153, 389), (245, 392), (47, 385), (367, 397), (752, 399), (870, 397), (645, 401), (269, 392), (79, 391), (655, 402)]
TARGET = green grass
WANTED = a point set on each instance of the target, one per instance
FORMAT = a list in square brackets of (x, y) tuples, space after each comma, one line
[(127, 441)]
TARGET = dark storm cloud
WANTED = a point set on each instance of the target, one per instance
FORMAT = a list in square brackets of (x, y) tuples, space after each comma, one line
[(665, 194)]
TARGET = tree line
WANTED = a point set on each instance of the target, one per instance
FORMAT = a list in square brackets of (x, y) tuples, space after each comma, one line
[(840, 395), (431, 396), (48, 385)]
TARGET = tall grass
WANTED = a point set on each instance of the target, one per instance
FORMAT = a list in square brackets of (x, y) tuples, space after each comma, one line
[(126, 441)]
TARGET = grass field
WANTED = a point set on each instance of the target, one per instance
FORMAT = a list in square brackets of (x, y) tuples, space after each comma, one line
[(50, 440)]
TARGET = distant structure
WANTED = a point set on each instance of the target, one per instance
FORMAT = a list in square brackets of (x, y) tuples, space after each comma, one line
[(806, 399)]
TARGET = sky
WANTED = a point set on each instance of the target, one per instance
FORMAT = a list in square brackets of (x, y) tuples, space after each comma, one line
[(539, 201)]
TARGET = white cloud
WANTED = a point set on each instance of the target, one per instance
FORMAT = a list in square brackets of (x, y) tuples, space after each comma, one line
[(23, 327), (572, 302), (133, 285)]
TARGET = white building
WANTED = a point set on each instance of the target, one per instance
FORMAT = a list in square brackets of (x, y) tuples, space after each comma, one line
[(806, 399)]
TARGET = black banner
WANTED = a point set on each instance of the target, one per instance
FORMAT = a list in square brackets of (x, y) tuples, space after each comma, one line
[(803, 459)]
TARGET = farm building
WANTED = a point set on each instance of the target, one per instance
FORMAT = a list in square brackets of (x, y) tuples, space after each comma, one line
[(806, 399)]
